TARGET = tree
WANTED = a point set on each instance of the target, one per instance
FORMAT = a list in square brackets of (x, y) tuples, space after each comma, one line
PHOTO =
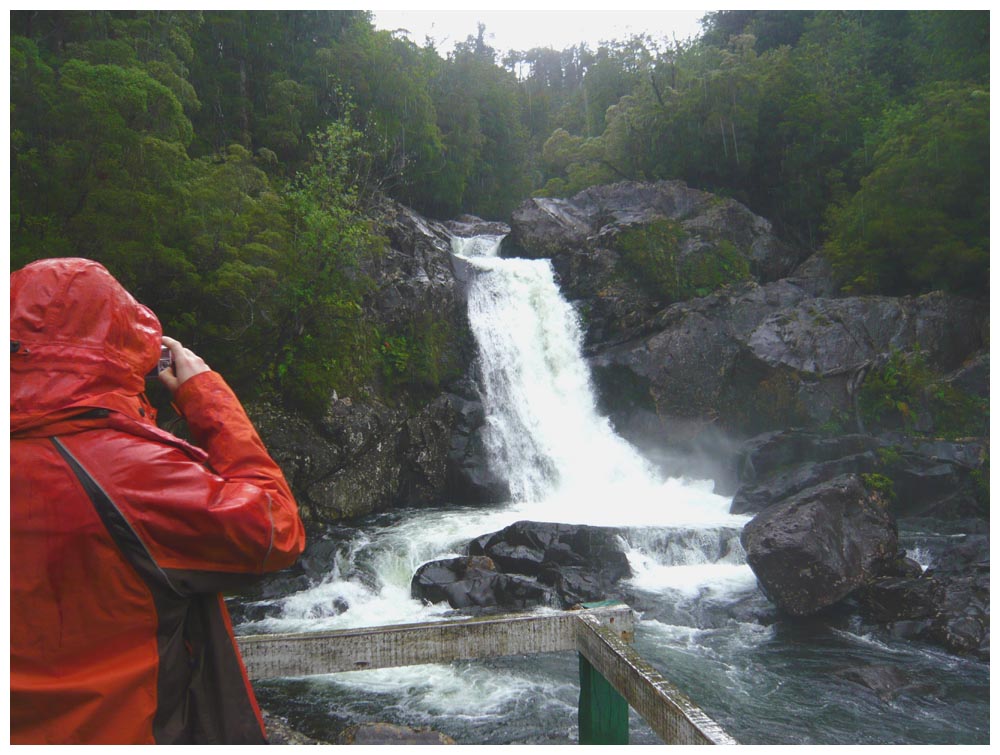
[(920, 220), (321, 342)]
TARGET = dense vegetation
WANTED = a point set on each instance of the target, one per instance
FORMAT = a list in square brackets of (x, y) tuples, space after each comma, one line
[(227, 165)]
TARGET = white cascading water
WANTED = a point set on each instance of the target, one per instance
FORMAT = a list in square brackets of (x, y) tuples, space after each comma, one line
[(562, 460)]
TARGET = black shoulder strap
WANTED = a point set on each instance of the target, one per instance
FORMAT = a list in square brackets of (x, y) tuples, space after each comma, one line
[(126, 538)]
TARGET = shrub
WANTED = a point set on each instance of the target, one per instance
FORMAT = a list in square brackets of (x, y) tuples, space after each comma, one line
[(654, 255)]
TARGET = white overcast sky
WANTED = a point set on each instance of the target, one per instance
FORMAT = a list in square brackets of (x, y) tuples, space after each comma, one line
[(523, 29)]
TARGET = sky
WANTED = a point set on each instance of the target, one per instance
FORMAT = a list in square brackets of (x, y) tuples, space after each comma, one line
[(524, 29)]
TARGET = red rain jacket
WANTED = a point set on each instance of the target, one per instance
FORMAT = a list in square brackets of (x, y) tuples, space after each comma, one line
[(122, 536)]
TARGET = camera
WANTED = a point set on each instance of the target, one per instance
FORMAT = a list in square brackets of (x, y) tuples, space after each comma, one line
[(166, 360)]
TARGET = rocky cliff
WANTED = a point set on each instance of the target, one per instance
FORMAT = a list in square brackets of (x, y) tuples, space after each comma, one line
[(367, 454)]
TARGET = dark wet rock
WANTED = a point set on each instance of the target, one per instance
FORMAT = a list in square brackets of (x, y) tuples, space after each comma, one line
[(525, 547), (964, 554), (585, 238), (771, 453), (423, 445), (470, 479), (414, 277), (466, 226), (588, 223), (752, 498), (822, 336), (962, 621), (938, 487), (473, 581), (819, 546), (754, 358), (816, 276), (391, 734), (887, 682), (279, 732), (973, 376), (929, 478), (892, 599), (528, 564), (947, 609)]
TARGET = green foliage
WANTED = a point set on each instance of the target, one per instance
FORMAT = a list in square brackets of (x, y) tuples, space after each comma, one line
[(881, 484), (906, 394), (655, 256), (419, 356), (889, 456), (322, 341), (921, 217), (222, 163)]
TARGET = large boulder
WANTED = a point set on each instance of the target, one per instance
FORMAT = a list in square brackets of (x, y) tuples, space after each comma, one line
[(819, 546), (474, 582), (528, 564), (597, 239)]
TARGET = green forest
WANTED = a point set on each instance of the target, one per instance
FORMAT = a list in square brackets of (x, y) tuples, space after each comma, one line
[(229, 166)]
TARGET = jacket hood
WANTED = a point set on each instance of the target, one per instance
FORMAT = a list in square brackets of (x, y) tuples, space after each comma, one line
[(78, 339)]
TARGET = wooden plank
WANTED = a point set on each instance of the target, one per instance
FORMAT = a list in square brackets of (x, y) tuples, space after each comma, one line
[(309, 653), (670, 714), (602, 714)]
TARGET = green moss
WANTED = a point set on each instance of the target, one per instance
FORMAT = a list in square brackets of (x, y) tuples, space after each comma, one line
[(880, 484), (906, 388), (416, 359), (981, 477), (652, 256)]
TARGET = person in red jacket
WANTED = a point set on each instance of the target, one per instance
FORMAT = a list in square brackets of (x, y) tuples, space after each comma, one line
[(122, 536)]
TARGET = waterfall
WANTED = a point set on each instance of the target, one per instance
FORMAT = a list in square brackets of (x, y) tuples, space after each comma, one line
[(562, 459)]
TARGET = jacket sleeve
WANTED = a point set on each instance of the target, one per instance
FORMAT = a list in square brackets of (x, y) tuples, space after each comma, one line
[(244, 484), (198, 526)]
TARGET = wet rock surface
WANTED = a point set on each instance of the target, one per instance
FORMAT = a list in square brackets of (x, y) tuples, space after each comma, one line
[(529, 564), (585, 237), (932, 486), (820, 545), (756, 358), (391, 734)]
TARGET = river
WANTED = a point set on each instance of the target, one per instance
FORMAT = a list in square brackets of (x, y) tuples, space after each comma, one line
[(704, 623)]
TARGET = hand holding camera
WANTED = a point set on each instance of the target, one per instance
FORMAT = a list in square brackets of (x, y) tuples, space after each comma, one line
[(182, 365)]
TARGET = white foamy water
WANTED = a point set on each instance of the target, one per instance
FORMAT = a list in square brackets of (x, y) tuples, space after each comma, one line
[(562, 459)]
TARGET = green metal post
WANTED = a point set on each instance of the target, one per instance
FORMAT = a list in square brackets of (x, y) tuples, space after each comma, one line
[(603, 713)]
